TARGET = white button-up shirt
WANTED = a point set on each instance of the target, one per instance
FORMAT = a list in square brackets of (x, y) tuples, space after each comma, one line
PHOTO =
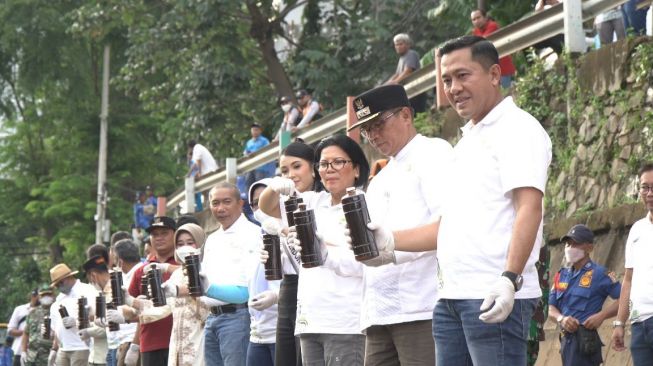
[(68, 338), (328, 301), (507, 149), (408, 192), (639, 257), (230, 255)]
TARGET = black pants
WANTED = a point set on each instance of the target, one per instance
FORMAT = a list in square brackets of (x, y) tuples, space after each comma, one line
[(16, 360), (287, 349), (155, 358)]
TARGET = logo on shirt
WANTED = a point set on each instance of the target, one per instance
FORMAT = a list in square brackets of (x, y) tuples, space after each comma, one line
[(586, 280)]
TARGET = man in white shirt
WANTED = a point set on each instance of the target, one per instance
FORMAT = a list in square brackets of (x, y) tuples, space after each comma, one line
[(16, 326), (489, 236), (72, 350), (202, 159), (636, 300), (230, 253), (398, 299)]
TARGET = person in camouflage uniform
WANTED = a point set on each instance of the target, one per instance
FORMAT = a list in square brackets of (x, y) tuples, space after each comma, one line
[(536, 330), (38, 348)]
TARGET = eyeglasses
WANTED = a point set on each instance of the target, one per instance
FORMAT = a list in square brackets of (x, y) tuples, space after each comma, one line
[(336, 164), (376, 126), (645, 189)]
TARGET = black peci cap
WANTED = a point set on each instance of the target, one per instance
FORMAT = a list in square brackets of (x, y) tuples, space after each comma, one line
[(372, 103)]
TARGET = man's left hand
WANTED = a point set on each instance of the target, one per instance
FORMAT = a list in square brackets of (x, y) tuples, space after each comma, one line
[(502, 296), (594, 321)]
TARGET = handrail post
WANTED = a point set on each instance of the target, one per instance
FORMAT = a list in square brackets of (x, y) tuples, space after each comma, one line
[(231, 168), (573, 20), (190, 194), (354, 134)]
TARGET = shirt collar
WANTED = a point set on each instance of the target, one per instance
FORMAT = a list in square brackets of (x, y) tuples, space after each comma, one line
[(494, 115), (405, 151), (233, 228)]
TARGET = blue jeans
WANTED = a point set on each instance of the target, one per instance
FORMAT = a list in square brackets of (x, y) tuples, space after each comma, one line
[(572, 355), (260, 354), (633, 18), (462, 339), (226, 338), (112, 357), (641, 343)]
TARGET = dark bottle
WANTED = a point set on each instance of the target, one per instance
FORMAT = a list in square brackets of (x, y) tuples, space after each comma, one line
[(82, 313), (100, 306), (272, 245), (117, 295), (192, 270), (64, 313), (291, 205), (113, 326), (144, 289), (154, 285), (357, 217), (47, 327), (305, 226)]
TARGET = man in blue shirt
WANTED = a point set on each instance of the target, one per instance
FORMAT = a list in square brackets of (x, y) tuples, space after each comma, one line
[(256, 143), (577, 297)]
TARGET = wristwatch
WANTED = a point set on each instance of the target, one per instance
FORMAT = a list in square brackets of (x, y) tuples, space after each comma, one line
[(516, 279), (617, 323)]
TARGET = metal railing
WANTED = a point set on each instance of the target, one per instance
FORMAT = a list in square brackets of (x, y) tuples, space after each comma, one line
[(508, 40)]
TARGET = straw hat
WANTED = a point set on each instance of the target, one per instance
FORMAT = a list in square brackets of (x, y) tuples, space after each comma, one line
[(59, 272)]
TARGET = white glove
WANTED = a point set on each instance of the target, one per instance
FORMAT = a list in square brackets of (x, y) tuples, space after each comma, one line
[(23, 358), (169, 290), (503, 297), (263, 300), (271, 226), (296, 244), (129, 300), (161, 266), (131, 357), (83, 334), (52, 357), (204, 280), (69, 322), (115, 316), (264, 255), (282, 185), (100, 322)]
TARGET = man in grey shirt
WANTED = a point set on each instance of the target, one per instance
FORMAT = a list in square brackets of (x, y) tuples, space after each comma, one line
[(408, 58)]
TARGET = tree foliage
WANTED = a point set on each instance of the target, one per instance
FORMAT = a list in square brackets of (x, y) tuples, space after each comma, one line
[(180, 69)]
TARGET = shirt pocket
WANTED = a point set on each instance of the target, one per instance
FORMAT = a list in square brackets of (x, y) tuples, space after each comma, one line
[(578, 298)]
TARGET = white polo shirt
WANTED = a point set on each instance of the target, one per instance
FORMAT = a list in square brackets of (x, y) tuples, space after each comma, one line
[(408, 192), (329, 302), (507, 149), (18, 321), (230, 255), (639, 258), (205, 158), (68, 338)]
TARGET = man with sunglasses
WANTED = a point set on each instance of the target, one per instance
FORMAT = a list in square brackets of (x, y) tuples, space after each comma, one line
[(399, 298)]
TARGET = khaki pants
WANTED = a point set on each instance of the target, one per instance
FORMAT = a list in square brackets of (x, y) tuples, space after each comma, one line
[(72, 358), (400, 344), (122, 352)]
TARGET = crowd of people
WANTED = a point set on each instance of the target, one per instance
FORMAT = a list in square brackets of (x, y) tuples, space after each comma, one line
[(458, 232), (436, 283)]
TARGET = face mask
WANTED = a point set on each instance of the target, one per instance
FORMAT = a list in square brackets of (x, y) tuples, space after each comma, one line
[(65, 289), (184, 251), (260, 216), (286, 107), (47, 300), (573, 255)]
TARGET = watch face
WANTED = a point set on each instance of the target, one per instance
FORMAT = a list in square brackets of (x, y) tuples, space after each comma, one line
[(519, 282)]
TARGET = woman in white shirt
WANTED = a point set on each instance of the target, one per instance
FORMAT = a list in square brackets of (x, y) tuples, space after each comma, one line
[(328, 302), (297, 174)]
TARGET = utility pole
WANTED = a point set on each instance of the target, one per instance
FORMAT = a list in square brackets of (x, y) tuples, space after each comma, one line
[(102, 158)]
